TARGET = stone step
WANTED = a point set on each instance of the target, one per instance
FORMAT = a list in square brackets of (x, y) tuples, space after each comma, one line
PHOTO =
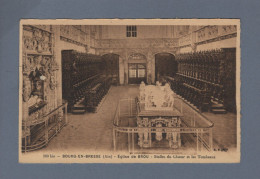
[(217, 106), (219, 111), (78, 111)]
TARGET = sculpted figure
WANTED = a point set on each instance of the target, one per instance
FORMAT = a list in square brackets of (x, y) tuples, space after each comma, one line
[(158, 83), (52, 82), (168, 95), (34, 99), (142, 91)]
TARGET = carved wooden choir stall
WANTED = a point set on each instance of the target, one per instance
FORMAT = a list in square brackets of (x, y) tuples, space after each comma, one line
[(207, 79), (84, 80)]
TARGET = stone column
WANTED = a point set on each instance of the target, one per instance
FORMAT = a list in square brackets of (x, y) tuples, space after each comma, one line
[(193, 42), (150, 68), (57, 58), (153, 68), (121, 70), (125, 71), (125, 68)]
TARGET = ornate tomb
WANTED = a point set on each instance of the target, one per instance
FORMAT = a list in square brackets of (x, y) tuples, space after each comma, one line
[(155, 109)]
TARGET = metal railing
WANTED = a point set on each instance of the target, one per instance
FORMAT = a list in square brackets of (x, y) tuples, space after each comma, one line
[(193, 123), (49, 125)]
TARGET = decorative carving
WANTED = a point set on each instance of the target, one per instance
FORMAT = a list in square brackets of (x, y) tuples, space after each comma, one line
[(53, 66), (156, 97), (221, 37), (170, 43), (38, 41), (185, 40), (44, 27), (64, 30), (201, 34), (229, 29), (73, 33), (52, 82), (136, 56), (82, 37), (194, 47), (27, 89), (39, 68), (158, 134), (26, 65), (153, 52), (142, 91), (136, 50), (212, 31), (215, 33), (143, 136), (137, 43), (26, 131), (37, 79)]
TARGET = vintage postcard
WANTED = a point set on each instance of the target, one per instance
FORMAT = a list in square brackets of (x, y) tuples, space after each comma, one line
[(129, 91)]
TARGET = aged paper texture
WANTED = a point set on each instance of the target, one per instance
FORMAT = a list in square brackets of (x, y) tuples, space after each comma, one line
[(129, 91)]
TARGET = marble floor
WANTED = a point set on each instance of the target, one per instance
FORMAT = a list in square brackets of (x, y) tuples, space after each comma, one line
[(93, 131)]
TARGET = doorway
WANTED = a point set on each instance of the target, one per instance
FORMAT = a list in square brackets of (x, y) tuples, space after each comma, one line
[(112, 66), (165, 65), (136, 73)]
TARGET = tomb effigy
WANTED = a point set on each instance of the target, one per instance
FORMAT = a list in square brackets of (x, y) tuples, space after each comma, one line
[(156, 97)]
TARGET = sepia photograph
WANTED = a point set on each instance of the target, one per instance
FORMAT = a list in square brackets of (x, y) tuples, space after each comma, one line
[(129, 91)]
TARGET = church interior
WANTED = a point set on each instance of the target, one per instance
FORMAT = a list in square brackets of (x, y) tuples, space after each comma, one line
[(128, 88)]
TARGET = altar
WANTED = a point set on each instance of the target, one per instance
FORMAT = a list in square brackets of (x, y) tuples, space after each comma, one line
[(155, 110)]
